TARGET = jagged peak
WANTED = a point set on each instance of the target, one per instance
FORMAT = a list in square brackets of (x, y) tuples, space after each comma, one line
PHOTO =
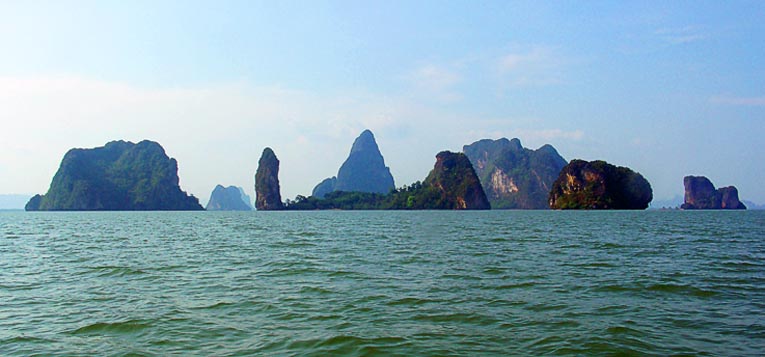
[(365, 141)]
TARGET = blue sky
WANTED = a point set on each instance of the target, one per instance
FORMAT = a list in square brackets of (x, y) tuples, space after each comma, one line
[(666, 88)]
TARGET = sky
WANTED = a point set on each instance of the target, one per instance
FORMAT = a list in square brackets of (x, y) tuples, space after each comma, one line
[(668, 89)]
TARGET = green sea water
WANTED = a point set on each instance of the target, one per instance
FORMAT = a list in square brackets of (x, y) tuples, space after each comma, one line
[(382, 283)]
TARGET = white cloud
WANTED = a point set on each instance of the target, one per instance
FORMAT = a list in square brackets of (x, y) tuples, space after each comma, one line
[(681, 35), (537, 66), (217, 132), (435, 77), (436, 81), (739, 101), (530, 137)]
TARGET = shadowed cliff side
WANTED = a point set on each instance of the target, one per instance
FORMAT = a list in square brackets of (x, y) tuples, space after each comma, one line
[(363, 171), (700, 193), (599, 185), (267, 194)]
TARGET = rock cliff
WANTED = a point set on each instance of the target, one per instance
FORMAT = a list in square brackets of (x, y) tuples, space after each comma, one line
[(118, 176), (267, 192), (363, 171), (700, 193), (455, 179), (599, 185), (230, 198), (512, 176)]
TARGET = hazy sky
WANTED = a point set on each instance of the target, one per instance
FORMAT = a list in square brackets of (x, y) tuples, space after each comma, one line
[(668, 88)]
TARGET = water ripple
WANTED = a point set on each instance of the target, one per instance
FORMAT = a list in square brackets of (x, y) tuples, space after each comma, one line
[(382, 283)]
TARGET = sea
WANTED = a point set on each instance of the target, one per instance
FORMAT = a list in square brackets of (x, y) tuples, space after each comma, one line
[(363, 283)]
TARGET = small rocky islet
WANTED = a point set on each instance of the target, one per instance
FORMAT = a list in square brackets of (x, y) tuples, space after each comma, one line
[(231, 198), (499, 174), (700, 193)]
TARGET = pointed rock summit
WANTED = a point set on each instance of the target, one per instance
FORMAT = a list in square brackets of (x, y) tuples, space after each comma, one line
[(512, 176), (363, 171), (230, 198), (267, 194)]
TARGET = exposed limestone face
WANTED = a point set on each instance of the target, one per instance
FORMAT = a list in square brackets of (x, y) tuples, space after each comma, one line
[(267, 192), (700, 193), (512, 176)]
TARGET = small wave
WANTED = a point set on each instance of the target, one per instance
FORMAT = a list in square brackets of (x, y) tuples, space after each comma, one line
[(25, 339), (347, 345), (128, 326), (215, 306), (526, 284), (409, 301), (681, 289), (108, 271), (315, 290), (661, 288), (546, 307), (476, 319)]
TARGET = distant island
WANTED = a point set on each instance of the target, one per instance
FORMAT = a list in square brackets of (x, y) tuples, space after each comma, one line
[(488, 174), (363, 171), (700, 193), (229, 198), (451, 185), (118, 176), (512, 176)]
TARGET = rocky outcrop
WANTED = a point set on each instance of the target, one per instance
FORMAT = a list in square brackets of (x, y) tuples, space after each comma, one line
[(599, 185), (230, 198), (451, 185), (118, 176), (512, 176), (455, 180), (324, 187), (700, 193), (267, 192), (363, 171)]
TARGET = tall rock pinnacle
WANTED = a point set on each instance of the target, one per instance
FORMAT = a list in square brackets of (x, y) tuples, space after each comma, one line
[(363, 171), (267, 194)]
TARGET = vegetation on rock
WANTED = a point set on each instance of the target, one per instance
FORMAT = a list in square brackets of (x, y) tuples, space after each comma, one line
[(512, 176), (599, 185), (118, 176), (452, 184)]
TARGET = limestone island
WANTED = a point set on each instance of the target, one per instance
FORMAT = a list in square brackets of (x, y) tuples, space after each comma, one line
[(120, 176), (231, 198), (451, 185), (267, 192), (700, 193), (599, 185), (514, 177), (363, 171)]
